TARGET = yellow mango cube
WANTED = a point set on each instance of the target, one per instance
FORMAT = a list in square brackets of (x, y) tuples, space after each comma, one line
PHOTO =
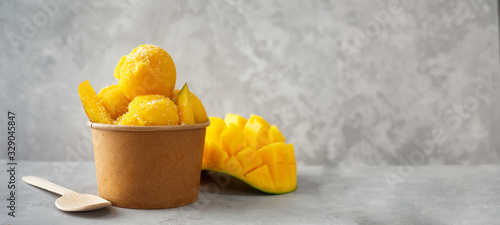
[(261, 178), (256, 131), (214, 157), (234, 167), (249, 158), (275, 134), (290, 153), (232, 140), (217, 125), (292, 168), (274, 153), (281, 176), (235, 119)]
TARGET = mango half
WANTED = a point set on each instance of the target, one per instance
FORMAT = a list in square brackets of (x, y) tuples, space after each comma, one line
[(251, 150)]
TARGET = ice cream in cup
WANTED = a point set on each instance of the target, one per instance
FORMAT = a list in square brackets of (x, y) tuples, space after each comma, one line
[(148, 137)]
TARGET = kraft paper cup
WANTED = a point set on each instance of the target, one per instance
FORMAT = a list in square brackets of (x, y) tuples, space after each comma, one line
[(148, 167)]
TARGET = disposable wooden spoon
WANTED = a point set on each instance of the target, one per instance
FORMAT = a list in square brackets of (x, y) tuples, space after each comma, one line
[(70, 200)]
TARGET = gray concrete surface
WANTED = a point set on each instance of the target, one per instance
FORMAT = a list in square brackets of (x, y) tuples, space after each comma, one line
[(325, 195)]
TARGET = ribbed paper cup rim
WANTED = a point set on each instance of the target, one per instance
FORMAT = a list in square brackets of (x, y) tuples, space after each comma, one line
[(113, 127)]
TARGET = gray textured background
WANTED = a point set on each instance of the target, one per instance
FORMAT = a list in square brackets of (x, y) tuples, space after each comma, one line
[(348, 82)]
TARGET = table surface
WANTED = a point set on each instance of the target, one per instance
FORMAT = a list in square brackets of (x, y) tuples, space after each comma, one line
[(325, 195)]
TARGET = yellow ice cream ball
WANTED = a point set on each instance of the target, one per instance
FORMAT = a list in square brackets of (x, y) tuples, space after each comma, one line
[(148, 69), (151, 110)]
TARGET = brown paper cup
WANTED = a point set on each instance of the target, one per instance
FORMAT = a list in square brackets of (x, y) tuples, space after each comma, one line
[(148, 167)]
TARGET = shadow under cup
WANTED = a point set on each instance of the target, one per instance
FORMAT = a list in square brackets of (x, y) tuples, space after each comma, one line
[(148, 167)]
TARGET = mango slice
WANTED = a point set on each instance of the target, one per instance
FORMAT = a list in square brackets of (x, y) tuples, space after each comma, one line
[(93, 106), (200, 114), (186, 114), (252, 151), (114, 100)]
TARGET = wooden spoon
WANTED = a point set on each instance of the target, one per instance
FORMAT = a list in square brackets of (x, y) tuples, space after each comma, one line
[(69, 201)]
